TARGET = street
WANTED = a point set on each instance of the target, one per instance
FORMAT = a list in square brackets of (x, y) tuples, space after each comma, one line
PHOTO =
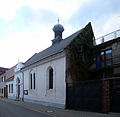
[(11, 110)]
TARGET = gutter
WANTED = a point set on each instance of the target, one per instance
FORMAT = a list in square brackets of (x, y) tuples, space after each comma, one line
[(43, 59)]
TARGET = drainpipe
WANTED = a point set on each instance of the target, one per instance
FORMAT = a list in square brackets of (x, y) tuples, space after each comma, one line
[(23, 85)]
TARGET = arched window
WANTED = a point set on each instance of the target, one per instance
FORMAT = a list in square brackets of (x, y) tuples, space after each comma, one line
[(30, 81), (50, 78), (18, 80), (34, 79)]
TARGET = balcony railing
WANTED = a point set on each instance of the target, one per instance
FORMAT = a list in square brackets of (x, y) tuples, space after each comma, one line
[(108, 37)]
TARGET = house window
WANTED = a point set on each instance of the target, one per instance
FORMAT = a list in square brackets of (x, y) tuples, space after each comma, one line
[(2, 79), (34, 79), (9, 88), (104, 58), (2, 90), (51, 78), (108, 57), (30, 81)]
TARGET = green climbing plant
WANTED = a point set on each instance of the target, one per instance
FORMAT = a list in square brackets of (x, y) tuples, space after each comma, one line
[(83, 51)]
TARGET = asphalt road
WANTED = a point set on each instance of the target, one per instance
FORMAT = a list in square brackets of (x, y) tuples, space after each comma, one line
[(11, 110)]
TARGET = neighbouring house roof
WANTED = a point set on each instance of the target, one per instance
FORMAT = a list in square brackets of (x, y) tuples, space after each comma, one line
[(2, 70), (10, 73), (52, 50), (10, 79)]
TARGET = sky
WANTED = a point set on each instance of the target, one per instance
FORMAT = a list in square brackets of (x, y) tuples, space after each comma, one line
[(26, 25)]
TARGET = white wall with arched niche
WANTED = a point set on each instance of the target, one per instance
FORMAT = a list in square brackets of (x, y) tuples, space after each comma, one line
[(42, 93), (18, 81)]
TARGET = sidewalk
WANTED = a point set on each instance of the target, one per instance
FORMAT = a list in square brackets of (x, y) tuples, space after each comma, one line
[(55, 112)]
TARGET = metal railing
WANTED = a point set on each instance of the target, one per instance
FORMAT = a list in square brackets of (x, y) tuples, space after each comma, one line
[(108, 37)]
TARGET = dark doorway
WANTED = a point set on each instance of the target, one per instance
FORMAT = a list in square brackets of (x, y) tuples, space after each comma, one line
[(85, 95), (4, 91), (115, 95), (18, 91)]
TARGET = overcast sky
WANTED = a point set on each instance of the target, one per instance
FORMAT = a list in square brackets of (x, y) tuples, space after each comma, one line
[(26, 25)]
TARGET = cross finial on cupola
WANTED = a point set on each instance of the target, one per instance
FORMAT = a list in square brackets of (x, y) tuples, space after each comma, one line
[(58, 20)]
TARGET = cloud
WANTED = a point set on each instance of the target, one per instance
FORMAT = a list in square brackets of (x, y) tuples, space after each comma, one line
[(8, 9), (109, 23), (100, 13), (23, 45), (26, 25), (63, 8), (31, 17)]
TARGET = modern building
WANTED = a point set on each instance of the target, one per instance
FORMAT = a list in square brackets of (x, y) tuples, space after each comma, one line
[(107, 68)]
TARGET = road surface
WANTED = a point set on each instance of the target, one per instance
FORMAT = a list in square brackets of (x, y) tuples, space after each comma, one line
[(11, 110)]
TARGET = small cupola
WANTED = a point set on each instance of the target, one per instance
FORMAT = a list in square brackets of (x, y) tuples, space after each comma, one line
[(58, 29)]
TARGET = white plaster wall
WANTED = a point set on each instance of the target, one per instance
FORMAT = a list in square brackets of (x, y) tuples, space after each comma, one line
[(11, 95), (57, 95), (2, 85), (20, 76), (18, 66)]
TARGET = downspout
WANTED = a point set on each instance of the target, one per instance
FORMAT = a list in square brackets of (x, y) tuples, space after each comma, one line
[(23, 85)]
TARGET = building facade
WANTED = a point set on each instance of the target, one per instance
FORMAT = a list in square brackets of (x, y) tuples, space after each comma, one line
[(72, 73), (44, 74), (10, 83), (107, 68), (2, 82)]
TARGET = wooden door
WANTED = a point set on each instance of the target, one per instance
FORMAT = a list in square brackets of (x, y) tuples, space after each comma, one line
[(6, 91)]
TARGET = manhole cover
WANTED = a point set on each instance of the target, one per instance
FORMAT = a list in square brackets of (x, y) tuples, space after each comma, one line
[(50, 111)]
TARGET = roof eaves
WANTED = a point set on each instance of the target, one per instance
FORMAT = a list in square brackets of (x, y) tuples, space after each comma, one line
[(43, 59)]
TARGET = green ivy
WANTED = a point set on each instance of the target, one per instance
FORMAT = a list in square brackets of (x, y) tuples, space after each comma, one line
[(83, 51)]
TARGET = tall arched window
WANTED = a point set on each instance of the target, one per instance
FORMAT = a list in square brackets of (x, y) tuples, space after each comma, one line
[(34, 79), (50, 78), (30, 81)]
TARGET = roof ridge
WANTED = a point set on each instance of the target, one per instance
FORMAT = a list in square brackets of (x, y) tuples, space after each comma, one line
[(52, 50)]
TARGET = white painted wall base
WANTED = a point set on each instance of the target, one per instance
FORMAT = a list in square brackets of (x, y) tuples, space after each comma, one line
[(62, 106)]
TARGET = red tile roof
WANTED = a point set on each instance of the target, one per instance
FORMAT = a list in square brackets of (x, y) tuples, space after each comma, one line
[(10, 79)]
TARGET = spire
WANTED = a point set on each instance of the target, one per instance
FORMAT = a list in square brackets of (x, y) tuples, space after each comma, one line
[(58, 29)]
